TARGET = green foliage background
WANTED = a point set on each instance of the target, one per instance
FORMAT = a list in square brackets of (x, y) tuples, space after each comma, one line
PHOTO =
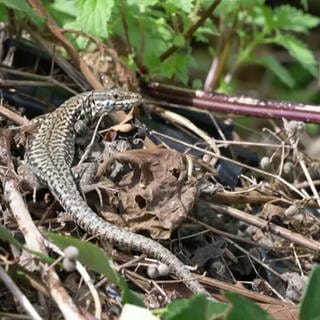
[(251, 32)]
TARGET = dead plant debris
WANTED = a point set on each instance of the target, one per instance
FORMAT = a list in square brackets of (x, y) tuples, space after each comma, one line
[(258, 236)]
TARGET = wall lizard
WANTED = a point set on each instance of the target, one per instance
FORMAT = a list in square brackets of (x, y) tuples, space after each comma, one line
[(50, 155)]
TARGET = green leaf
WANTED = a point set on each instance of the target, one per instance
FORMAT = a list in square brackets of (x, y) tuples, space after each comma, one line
[(239, 6), (89, 254), (175, 66), (290, 18), (243, 308), (142, 4), (22, 6), (310, 307), (5, 235), (79, 41), (227, 87), (149, 43), (63, 7), (62, 11), (198, 307), (207, 29), (275, 67), (179, 40), (184, 5), (156, 39), (264, 17), (94, 16), (22, 276), (298, 50), (3, 13), (197, 84), (96, 259), (128, 296)]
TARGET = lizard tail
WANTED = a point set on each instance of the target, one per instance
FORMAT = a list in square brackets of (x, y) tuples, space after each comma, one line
[(89, 221)]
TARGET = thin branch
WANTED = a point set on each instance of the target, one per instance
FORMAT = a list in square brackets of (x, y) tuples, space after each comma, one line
[(188, 34), (19, 295), (55, 30), (262, 172), (33, 238), (141, 68), (35, 241), (265, 225)]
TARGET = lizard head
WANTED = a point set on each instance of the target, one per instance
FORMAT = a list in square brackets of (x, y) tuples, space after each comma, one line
[(113, 100)]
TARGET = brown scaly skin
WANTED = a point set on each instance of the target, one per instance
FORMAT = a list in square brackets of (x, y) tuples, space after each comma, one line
[(51, 154)]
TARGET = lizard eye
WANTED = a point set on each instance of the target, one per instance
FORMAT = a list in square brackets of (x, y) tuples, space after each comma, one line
[(115, 96)]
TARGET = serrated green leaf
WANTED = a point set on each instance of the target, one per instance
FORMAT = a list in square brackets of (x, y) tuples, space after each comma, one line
[(298, 50), (94, 16), (276, 68), (243, 308), (176, 65), (198, 307), (290, 18), (310, 307), (62, 11), (96, 259), (156, 39), (184, 5), (63, 7), (21, 6)]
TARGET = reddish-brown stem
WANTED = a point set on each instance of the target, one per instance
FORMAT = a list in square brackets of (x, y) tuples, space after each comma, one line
[(233, 104)]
